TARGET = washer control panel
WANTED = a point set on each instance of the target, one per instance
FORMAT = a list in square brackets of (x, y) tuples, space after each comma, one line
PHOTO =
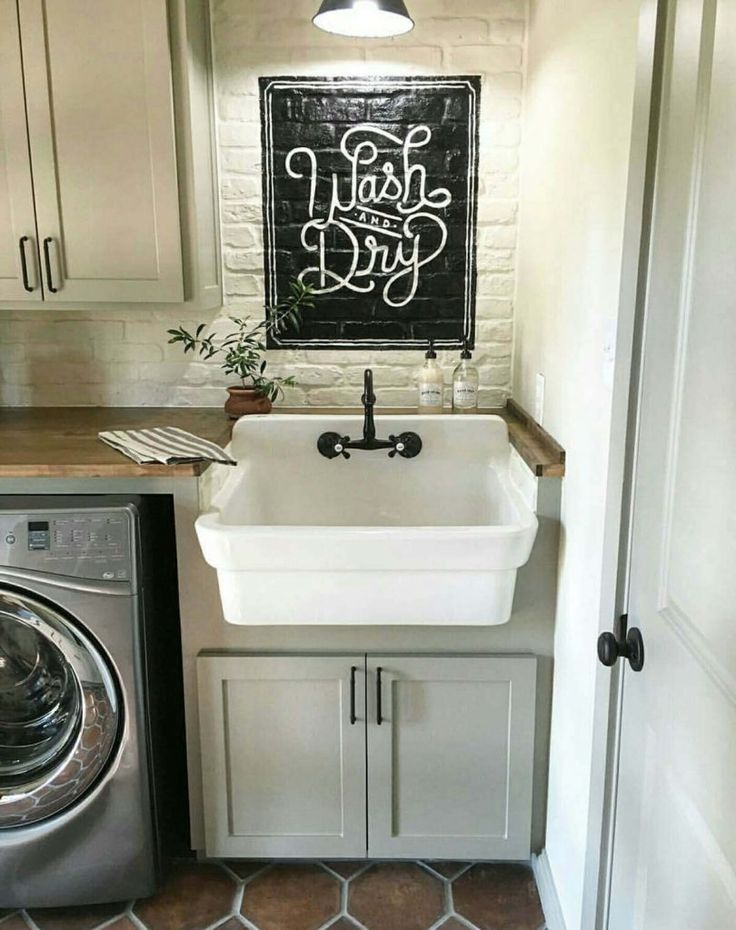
[(91, 544)]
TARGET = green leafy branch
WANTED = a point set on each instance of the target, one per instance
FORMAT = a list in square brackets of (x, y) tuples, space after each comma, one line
[(242, 349)]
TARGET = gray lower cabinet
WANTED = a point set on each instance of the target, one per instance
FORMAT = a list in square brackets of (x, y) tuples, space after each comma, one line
[(383, 756), (450, 764), (283, 767)]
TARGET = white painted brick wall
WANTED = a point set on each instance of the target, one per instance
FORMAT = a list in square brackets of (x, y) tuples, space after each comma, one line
[(115, 357)]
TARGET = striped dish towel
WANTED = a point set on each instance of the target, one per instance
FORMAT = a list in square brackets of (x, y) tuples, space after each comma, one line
[(166, 445)]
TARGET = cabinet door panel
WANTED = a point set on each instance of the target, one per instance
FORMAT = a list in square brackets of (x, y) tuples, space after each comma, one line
[(283, 767), (450, 766), (100, 118), (16, 189)]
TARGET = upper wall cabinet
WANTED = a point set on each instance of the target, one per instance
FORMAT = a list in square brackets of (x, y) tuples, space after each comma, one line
[(18, 269), (118, 114)]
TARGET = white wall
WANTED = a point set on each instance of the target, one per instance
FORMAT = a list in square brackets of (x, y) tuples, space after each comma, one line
[(579, 103), (121, 356)]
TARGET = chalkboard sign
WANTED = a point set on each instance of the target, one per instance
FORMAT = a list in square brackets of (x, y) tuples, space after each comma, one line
[(370, 197)]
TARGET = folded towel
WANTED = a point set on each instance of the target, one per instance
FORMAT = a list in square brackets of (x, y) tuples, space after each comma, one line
[(166, 445)]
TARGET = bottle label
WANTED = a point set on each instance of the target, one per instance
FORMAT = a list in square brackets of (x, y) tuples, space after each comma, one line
[(464, 395), (430, 395)]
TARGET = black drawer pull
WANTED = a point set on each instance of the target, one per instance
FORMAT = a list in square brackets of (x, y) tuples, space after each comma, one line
[(379, 697), (47, 260), (24, 263), (353, 718)]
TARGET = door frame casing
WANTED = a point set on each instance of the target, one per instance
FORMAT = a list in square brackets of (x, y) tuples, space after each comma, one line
[(624, 418)]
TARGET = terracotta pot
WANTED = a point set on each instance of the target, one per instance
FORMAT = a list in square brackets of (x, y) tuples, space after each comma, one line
[(243, 400)]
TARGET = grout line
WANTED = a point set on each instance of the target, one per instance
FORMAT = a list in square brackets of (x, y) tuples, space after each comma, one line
[(428, 868), (331, 871), (29, 920), (219, 922), (135, 919), (342, 906), (357, 923), (463, 920), (439, 923), (111, 920), (343, 896), (238, 899), (460, 918), (448, 897)]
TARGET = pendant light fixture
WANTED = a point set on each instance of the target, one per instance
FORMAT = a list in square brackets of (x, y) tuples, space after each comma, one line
[(370, 19)]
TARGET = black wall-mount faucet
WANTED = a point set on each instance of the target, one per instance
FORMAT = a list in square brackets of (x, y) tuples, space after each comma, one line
[(407, 445)]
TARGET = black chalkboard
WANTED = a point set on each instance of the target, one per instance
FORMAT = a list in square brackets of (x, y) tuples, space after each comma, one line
[(370, 196)]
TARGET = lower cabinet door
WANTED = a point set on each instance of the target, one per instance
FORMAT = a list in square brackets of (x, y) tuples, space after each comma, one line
[(283, 756), (450, 756)]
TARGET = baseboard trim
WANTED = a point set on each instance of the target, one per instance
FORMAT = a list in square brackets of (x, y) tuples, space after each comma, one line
[(548, 892)]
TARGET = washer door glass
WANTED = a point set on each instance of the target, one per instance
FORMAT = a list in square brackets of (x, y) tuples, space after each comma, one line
[(40, 703), (59, 711)]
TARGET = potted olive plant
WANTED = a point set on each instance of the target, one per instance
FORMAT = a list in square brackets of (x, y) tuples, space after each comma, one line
[(242, 350)]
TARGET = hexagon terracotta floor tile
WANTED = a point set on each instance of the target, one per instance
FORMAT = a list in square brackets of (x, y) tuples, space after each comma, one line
[(336, 895), (292, 897), (500, 896), (194, 896), (396, 896)]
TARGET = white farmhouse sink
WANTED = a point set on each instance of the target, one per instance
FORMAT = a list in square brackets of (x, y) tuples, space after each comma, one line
[(297, 538)]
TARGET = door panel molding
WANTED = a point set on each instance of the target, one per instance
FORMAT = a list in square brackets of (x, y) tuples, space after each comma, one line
[(696, 644), (687, 286)]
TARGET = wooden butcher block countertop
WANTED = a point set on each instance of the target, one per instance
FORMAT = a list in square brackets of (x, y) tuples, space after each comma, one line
[(61, 442)]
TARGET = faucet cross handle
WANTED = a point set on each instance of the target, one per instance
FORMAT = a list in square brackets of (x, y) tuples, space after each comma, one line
[(331, 445)]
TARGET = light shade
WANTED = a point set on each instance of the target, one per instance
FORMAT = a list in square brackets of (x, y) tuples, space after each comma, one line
[(371, 19)]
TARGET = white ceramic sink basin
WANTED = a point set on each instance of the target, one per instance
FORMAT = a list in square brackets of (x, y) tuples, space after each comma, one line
[(297, 538)]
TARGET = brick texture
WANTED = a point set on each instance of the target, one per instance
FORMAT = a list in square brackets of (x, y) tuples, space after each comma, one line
[(121, 357)]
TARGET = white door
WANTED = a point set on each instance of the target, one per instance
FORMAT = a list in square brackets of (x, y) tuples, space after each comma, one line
[(674, 864), (19, 279), (101, 128)]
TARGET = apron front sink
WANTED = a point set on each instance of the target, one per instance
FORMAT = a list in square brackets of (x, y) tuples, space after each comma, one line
[(299, 539)]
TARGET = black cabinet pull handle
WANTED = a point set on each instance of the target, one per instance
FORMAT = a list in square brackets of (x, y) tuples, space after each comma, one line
[(47, 261), (24, 263), (379, 697), (353, 718)]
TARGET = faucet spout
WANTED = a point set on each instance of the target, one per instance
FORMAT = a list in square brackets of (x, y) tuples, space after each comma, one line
[(369, 400)]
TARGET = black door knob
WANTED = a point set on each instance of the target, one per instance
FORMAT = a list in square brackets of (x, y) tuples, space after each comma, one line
[(608, 649), (628, 644)]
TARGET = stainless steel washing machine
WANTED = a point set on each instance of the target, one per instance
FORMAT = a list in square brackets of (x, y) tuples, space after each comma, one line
[(77, 811)]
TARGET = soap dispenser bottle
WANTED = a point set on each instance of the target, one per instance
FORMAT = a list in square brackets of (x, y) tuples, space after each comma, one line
[(465, 382), (431, 384)]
